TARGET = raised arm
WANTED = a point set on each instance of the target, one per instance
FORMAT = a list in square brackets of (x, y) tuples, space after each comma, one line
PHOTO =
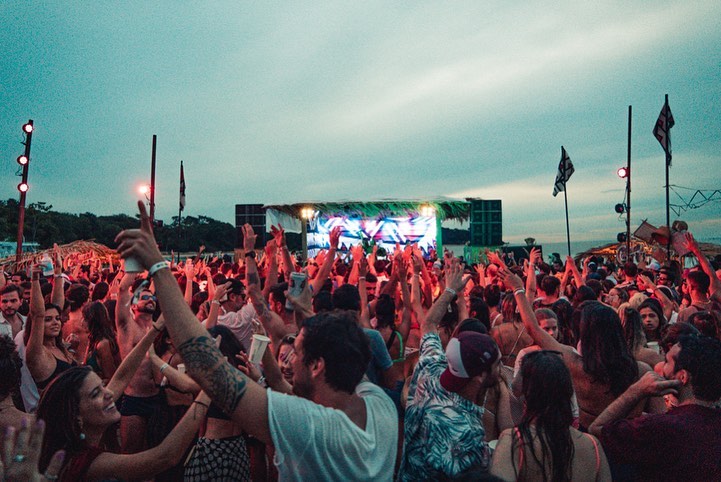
[(714, 290), (649, 385), (328, 261), (454, 284), (271, 277), (245, 402), (189, 269), (543, 339), (405, 325), (122, 314), (219, 294), (34, 350), (364, 318), (131, 362), (57, 297)]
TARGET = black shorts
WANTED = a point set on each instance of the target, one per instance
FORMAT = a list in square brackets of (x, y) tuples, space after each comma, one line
[(140, 406)]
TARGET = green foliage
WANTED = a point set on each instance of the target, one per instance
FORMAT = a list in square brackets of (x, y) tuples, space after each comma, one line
[(45, 226)]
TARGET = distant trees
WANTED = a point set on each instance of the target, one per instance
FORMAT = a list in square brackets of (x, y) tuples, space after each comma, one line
[(45, 226)]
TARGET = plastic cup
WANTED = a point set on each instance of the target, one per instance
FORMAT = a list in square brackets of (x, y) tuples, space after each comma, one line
[(257, 348), (654, 346), (132, 265)]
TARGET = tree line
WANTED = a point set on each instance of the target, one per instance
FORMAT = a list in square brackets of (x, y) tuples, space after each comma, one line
[(45, 227)]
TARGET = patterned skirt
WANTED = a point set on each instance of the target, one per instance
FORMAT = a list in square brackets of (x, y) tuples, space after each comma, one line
[(221, 460)]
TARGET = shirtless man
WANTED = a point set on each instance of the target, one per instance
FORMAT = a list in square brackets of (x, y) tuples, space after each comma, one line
[(141, 397)]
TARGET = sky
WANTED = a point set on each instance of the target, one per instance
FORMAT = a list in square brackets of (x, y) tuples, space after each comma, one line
[(286, 102)]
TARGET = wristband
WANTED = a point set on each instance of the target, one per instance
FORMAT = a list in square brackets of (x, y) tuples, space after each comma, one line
[(157, 267), (519, 290), (451, 291), (215, 302), (250, 254), (163, 367), (201, 403), (361, 278), (155, 328)]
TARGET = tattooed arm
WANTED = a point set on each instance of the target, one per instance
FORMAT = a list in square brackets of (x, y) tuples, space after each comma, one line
[(226, 385)]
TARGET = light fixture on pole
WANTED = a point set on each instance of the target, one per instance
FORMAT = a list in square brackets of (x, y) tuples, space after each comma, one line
[(306, 213), (24, 161)]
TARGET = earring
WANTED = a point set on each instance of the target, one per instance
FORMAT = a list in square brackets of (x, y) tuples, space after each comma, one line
[(82, 436)]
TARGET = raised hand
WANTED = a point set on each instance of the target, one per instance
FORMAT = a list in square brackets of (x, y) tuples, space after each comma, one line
[(363, 267), (509, 279), (248, 238), (278, 234), (248, 367), (335, 236), (140, 243), (271, 247), (21, 454)]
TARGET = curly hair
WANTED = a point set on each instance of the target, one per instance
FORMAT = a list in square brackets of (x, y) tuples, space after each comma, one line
[(10, 364), (341, 343)]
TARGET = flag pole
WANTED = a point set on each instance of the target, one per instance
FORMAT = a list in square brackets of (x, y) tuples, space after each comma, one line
[(180, 210), (668, 203), (565, 199)]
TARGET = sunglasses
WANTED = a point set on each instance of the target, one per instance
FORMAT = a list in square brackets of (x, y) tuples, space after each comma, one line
[(148, 297)]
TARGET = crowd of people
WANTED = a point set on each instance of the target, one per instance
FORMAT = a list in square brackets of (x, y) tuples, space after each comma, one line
[(398, 367)]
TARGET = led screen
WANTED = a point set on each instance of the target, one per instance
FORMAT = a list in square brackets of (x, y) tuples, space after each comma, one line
[(385, 232)]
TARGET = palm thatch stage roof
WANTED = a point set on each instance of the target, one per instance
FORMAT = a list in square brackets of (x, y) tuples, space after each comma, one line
[(76, 247), (445, 208)]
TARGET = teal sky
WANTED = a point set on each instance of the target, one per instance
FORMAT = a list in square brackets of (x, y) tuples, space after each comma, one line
[(287, 102)]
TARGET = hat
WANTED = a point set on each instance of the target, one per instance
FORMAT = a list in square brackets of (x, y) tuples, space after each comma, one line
[(469, 354), (654, 266)]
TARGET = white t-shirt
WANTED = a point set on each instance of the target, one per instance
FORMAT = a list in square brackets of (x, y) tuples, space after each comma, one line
[(28, 389), (313, 442)]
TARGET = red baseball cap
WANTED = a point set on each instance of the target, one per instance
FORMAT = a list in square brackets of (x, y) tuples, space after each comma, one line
[(469, 354)]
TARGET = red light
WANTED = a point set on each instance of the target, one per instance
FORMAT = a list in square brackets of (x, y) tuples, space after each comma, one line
[(622, 172), (23, 187), (22, 160), (28, 128)]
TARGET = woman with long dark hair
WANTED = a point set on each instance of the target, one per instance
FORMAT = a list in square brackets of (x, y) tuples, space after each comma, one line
[(544, 446), (103, 352), (78, 408), (45, 352)]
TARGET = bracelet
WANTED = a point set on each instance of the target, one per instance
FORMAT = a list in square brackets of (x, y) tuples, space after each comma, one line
[(361, 278), (451, 291), (215, 302), (201, 403), (157, 267), (261, 381), (519, 290), (250, 254), (163, 367)]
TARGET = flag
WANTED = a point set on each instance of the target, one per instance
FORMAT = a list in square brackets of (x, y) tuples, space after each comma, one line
[(662, 131), (182, 187), (565, 169)]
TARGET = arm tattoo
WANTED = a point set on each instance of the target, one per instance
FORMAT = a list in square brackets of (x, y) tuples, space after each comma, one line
[(225, 385)]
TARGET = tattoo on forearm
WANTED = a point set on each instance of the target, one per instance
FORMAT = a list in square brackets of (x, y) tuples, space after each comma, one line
[(253, 279), (225, 385)]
